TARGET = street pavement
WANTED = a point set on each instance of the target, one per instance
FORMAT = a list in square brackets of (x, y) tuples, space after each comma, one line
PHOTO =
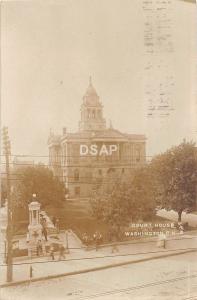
[(173, 216), (79, 259), (171, 278)]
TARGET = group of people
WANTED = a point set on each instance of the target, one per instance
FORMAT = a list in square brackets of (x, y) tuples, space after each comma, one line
[(61, 252), (95, 239), (43, 222), (39, 247)]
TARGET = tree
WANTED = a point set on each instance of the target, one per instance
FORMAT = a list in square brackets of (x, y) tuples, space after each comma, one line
[(37, 180), (175, 175), (131, 201)]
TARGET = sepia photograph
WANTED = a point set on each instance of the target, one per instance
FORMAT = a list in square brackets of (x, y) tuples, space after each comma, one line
[(98, 149)]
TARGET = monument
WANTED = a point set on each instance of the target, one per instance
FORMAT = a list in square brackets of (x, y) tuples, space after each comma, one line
[(35, 228)]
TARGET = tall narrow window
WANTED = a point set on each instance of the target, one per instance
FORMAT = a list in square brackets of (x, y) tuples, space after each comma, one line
[(99, 114), (137, 154), (100, 172), (77, 190), (76, 175), (89, 114)]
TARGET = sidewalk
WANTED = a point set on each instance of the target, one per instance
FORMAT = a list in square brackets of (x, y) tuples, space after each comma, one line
[(79, 260)]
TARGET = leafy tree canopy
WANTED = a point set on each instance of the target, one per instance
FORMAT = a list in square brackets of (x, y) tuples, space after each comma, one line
[(175, 175), (131, 201), (37, 180)]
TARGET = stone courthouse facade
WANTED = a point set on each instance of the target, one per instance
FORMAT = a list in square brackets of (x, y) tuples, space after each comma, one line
[(95, 155)]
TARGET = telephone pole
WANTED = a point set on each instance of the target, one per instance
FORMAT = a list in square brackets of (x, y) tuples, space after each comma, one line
[(7, 153)]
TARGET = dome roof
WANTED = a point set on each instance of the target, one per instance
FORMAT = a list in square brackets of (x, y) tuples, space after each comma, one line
[(91, 97), (91, 90)]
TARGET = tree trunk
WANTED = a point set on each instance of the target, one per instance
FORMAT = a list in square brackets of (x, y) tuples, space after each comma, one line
[(179, 215)]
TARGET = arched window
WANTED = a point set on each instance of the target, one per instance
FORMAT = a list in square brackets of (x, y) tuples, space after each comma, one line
[(76, 175), (93, 114)]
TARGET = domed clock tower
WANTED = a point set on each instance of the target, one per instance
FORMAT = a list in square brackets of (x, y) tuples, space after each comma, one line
[(91, 111)]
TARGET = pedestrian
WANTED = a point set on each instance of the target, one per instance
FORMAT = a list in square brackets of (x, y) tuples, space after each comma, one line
[(41, 219), (97, 240), (61, 252), (88, 242), (52, 252), (100, 238), (57, 225), (97, 243), (114, 244), (43, 222), (54, 220), (186, 226), (39, 247), (181, 229), (85, 238), (30, 272), (161, 242), (164, 240), (44, 231), (114, 248)]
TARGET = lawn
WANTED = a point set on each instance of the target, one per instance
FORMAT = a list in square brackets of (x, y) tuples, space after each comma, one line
[(76, 215)]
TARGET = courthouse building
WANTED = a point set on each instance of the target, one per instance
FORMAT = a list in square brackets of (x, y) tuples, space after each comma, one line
[(94, 155)]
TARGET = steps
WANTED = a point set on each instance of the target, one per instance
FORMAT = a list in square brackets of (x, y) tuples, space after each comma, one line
[(51, 230), (32, 250)]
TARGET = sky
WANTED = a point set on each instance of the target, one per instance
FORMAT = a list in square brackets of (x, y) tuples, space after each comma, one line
[(49, 50)]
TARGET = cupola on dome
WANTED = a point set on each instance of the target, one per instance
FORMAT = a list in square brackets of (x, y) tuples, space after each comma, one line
[(91, 97)]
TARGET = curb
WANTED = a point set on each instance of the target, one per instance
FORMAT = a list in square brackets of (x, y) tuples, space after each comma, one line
[(28, 281)]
